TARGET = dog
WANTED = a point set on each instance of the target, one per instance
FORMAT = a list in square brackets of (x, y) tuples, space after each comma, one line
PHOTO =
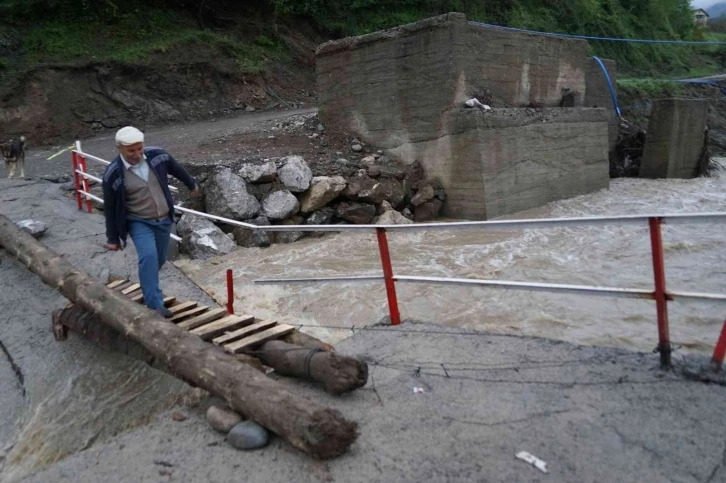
[(14, 153)]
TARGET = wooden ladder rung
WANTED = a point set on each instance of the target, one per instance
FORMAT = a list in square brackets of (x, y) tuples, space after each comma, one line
[(182, 307), (188, 313), (116, 283), (138, 298), (205, 318), (123, 286), (273, 333), (232, 322), (169, 300), (132, 288), (238, 334)]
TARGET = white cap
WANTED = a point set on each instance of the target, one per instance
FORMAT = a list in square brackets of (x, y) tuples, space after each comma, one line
[(129, 135)]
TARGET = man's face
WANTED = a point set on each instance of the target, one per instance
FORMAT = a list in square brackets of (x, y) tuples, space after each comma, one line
[(133, 153)]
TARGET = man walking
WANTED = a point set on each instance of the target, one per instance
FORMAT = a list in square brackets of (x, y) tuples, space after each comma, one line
[(137, 202)]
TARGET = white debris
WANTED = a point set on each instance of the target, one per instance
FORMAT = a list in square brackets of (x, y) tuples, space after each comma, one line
[(418, 390), (533, 460), (475, 103)]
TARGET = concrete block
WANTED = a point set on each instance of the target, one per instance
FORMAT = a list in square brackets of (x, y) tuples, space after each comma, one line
[(675, 138)]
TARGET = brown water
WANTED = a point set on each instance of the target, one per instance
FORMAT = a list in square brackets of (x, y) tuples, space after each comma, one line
[(606, 256)]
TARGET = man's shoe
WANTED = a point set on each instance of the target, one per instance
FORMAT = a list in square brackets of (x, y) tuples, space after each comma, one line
[(164, 312)]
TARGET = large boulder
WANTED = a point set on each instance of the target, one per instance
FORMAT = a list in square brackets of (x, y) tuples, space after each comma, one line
[(248, 238), (425, 193), (259, 173), (414, 174), (392, 217), (364, 189), (394, 191), (428, 211), (295, 174), (390, 168), (290, 236), (260, 191), (358, 213), (323, 190), (280, 205), (227, 196), (201, 238), (321, 217)]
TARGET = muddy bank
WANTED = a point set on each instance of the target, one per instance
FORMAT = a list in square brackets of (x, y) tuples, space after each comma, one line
[(53, 103)]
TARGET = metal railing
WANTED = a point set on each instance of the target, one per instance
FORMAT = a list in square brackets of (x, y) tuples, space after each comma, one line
[(660, 294)]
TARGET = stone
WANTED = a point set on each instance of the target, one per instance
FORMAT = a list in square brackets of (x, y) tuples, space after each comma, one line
[(248, 435), (201, 238), (250, 109), (57, 178), (407, 213), (414, 174), (321, 128), (295, 174), (356, 148), (323, 190), (222, 419), (290, 236), (385, 206), (280, 205), (320, 217), (358, 213), (392, 217), (373, 171), (364, 189), (428, 211), (227, 196), (394, 191), (424, 194), (259, 173), (260, 191), (368, 161), (390, 168), (254, 238), (35, 228)]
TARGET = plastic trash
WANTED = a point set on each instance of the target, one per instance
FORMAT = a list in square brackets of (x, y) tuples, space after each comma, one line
[(418, 390), (475, 103), (533, 460)]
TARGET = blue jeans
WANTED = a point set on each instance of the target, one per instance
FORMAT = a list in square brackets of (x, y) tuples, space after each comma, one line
[(151, 239)]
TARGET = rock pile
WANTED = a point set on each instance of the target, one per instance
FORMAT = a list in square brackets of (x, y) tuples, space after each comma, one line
[(284, 191)]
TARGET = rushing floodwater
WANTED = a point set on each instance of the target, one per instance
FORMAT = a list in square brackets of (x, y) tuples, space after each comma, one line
[(607, 256)]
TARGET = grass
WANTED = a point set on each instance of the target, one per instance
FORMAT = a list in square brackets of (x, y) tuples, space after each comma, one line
[(140, 40)]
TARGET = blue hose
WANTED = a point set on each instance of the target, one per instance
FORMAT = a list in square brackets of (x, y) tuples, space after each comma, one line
[(613, 96)]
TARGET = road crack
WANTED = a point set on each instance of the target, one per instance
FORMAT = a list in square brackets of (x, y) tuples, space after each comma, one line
[(16, 369)]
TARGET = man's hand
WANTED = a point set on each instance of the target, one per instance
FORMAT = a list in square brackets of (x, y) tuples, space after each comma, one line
[(112, 246), (195, 192)]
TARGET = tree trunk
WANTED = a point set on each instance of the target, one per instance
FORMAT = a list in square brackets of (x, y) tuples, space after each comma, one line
[(322, 432), (339, 374)]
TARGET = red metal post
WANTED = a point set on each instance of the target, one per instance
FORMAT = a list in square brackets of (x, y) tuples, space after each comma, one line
[(388, 276), (661, 296), (230, 292), (720, 352), (84, 182), (76, 177)]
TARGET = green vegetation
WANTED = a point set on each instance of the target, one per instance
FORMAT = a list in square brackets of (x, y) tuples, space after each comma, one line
[(62, 31)]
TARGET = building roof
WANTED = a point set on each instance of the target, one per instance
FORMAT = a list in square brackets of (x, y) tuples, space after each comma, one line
[(700, 10)]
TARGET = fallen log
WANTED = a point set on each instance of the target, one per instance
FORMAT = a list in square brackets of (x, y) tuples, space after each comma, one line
[(339, 374), (320, 431)]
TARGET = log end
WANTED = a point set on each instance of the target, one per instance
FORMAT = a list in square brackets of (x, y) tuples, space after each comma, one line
[(329, 434)]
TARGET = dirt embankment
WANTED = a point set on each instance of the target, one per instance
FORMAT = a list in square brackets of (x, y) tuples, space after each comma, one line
[(52, 103)]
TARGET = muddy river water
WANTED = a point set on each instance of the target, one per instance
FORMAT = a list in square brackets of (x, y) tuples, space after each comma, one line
[(614, 256)]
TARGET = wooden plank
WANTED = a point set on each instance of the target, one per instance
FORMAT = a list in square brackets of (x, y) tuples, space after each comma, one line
[(138, 298), (188, 313), (273, 333), (209, 331), (232, 336), (182, 307), (117, 283), (210, 316), (134, 294), (169, 300), (132, 288), (124, 286)]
